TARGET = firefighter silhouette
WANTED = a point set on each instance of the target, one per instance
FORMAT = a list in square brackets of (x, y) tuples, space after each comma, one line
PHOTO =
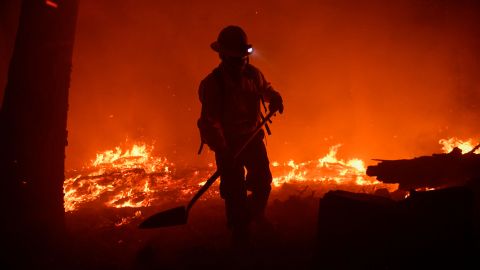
[(231, 97)]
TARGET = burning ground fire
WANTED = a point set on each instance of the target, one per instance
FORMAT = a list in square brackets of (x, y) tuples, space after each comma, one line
[(326, 169), (136, 178)]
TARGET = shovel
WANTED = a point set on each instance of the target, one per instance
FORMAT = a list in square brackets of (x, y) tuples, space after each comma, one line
[(179, 215)]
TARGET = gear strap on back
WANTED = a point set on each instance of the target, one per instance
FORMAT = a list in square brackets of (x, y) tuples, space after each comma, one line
[(267, 128)]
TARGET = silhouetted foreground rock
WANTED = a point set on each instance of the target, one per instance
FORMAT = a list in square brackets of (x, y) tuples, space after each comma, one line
[(429, 229)]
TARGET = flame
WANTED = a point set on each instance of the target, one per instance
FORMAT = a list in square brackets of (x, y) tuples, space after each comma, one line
[(128, 178), (464, 145), (136, 178), (448, 145), (328, 170)]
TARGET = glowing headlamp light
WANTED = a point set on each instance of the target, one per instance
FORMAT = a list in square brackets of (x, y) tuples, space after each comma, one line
[(250, 50)]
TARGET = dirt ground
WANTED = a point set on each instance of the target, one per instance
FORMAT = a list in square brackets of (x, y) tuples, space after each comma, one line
[(203, 243), (97, 241)]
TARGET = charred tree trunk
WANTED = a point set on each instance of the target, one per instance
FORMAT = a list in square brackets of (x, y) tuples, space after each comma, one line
[(33, 135)]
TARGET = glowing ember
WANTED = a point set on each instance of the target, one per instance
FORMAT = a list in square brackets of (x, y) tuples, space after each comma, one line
[(126, 220)]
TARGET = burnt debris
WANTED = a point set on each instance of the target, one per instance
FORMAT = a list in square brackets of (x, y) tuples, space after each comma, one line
[(435, 171)]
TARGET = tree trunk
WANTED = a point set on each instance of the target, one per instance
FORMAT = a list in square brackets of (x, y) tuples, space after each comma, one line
[(33, 122)]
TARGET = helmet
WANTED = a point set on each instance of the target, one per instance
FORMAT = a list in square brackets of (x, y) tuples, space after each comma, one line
[(232, 41)]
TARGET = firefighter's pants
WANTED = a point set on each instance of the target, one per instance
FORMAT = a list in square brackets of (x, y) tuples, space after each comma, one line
[(234, 184)]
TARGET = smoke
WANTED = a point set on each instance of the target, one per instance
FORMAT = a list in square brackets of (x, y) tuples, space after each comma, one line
[(387, 79)]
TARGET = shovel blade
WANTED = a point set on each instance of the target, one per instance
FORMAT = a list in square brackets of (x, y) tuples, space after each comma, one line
[(172, 217)]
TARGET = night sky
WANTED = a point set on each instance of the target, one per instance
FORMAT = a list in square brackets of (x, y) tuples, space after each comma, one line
[(387, 79)]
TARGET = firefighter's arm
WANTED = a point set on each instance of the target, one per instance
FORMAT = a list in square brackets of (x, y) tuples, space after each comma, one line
[(270, 95), (209, 123)]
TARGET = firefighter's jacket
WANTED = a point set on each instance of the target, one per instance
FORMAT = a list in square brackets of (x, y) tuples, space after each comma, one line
[(232, 108)]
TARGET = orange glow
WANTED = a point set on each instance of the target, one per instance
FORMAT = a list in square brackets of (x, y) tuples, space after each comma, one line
[(371, 75), (51, 3), (136, 178), (128, 178), (464, 145), (447, 146), (327, 169)]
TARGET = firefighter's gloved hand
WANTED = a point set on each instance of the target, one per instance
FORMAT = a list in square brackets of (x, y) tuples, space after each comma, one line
[(225, 159), (276, 105)]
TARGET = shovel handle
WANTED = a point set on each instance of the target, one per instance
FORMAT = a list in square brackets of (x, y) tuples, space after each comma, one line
[(257, 129), (217, 173)]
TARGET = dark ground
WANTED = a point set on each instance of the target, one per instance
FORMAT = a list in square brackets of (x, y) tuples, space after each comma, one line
[(201, 244)]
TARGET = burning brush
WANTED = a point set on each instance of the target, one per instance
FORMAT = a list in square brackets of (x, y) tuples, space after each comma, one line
[(136, 178)]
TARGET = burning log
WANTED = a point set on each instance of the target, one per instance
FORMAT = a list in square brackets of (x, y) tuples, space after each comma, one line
[(437, 170)]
